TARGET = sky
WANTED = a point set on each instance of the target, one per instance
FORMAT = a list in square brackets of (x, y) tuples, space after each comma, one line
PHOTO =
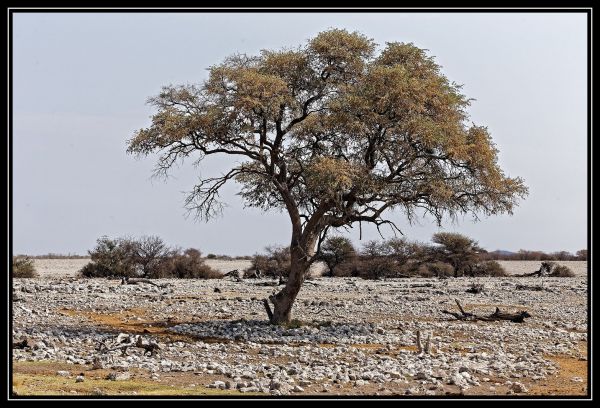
[(81, 81)]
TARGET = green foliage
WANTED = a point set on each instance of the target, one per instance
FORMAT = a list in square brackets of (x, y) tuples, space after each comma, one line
[(333, 130), (335, 251), (400, 258), (23, 267), (457, 250), (111, 258)]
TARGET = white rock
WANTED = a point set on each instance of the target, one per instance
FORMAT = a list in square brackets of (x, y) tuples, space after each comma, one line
[(518, 387)]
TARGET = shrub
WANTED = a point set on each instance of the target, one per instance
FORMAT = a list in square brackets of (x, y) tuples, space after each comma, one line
[(435, 269), (379, 267), (190, 265), (148, 252), (347, 268), (582, 255), (488, 268), (458, 250), (211, 256), (111, 258), (22, 267), (148, 257), (335, 251), (275, 263), (562, 271)]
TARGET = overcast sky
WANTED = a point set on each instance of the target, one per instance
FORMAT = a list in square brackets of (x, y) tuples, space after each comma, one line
[(81, 82)]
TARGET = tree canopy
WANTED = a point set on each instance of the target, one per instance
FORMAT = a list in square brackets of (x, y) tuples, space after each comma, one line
[(334, 133)]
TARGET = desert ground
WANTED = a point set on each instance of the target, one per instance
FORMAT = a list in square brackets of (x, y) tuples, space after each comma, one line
[(350, 336)]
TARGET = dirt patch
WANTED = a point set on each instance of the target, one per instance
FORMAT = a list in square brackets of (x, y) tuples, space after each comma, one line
[(134, 321), (562, 383)]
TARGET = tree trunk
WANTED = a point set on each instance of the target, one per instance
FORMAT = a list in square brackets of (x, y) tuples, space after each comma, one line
[(284, 300)]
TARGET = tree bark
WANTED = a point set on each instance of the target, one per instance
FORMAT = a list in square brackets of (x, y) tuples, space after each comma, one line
[(300, 264)]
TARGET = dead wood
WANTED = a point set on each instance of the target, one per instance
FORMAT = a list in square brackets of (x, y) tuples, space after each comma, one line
[(529, 287), (476, 288), (545, 270), (419, 285), (21, 344), (124, 341), (136, 281), (253, 274), (423, 349), (518, 317), (235, 274), (268, 309)]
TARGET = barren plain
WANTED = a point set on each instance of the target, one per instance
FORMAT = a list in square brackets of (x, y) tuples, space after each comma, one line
[(350, 336)]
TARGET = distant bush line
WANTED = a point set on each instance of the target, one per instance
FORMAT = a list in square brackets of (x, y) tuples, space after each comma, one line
[(56, 256), (525, 255), (147, 257), (450, 255)]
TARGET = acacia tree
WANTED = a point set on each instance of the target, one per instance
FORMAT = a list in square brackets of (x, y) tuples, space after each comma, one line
[(335, 251), (334, 135), (458, 250)]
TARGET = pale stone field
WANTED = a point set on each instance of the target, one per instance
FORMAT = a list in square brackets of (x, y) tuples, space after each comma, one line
[(62, 268), (350, 336)]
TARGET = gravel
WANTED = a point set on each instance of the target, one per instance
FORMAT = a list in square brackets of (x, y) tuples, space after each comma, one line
[(353, 333)]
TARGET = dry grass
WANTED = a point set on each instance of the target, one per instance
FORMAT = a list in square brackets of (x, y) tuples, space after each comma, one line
[(40, 378)]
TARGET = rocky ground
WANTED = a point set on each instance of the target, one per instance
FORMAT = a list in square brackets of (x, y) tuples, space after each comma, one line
[(351, 337)]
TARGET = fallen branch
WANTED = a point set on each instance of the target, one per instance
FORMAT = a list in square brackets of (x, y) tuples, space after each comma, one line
[(136, 281), (518, 317), (21, 344), (476, 288), (124, 341), (235, 274)]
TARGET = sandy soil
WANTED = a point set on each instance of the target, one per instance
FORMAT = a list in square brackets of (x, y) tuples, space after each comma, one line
[(59, 268)]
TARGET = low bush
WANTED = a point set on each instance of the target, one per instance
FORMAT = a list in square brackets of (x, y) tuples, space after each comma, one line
[(487, 268), (23, 267), (189, 265), (146, 257), (435, 269), (335, 251), (112, 258), (562, 271), (274, 264)]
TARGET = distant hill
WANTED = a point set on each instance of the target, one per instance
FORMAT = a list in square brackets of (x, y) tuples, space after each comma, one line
[(502, 252)]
